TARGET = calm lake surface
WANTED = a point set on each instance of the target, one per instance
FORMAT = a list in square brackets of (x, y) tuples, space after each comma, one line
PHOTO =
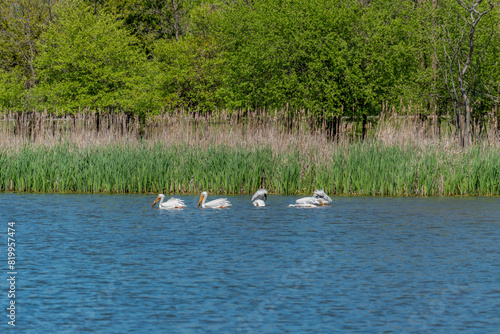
[(113, 264)]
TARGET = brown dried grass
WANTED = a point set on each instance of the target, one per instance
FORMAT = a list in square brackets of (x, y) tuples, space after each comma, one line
[(243, 128)]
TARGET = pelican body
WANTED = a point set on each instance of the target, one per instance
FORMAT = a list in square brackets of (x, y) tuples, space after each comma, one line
[(172, 203), (319, 198), (306, 202), (259, 198), (218, 203)]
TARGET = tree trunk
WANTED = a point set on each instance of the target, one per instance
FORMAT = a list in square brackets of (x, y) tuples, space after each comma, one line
[(467, 124), (176, 20), (459, 66)]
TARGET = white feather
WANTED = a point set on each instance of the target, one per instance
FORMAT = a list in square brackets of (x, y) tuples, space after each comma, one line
[(259, 198)]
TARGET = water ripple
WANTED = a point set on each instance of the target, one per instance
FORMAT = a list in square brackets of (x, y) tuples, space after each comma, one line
[(111, 263)]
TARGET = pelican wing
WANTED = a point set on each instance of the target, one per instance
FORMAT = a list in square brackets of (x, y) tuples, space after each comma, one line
[(173, 203), (260, 194), (173, 199), (307, 202), (218, 203)]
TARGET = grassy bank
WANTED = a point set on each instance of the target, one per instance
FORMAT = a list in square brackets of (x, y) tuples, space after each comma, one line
[(236, 154), (362, 169)]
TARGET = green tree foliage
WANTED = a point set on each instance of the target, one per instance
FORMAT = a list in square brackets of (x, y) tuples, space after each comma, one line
[(149, 20), (11, 89), (319, 55), (454, 38), (337, 56), (89, 60), (383, 58), (189, 70), (21, 24), (188, 73)]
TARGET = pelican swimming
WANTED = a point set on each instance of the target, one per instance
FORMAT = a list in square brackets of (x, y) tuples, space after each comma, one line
[(307, 202), (218, 203), (172, 203), (259, 198), (319, 198)]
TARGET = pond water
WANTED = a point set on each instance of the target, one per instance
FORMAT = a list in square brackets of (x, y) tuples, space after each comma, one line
[(113, 264)]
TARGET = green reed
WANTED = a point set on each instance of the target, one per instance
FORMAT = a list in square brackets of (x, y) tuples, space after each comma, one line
[(369, 168)]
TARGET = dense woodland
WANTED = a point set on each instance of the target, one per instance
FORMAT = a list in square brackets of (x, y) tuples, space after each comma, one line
[(351, 58)]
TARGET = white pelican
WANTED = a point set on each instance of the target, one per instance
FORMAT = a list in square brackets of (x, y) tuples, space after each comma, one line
[(218, 203), (307, 202), (319, 198), (172, 203), (259, 198)]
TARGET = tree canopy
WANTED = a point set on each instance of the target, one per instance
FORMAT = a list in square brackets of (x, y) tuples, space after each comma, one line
[(339, 57)]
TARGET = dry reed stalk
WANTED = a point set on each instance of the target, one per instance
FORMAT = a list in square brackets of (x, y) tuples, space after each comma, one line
[(241, 128)]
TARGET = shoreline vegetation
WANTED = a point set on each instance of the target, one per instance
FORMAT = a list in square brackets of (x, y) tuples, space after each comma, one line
[(236, 152)]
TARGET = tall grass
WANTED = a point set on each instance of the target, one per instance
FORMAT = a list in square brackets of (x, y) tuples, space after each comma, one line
[(362, 169), (235, 156)]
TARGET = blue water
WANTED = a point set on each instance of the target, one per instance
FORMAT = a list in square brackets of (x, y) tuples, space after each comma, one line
[(113, 264)]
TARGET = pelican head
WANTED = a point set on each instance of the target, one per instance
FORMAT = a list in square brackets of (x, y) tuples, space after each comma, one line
[(320, 194), (203, 197), (160, 196)]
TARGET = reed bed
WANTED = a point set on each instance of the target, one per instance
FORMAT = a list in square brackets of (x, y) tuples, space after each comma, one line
[(236, 153)]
